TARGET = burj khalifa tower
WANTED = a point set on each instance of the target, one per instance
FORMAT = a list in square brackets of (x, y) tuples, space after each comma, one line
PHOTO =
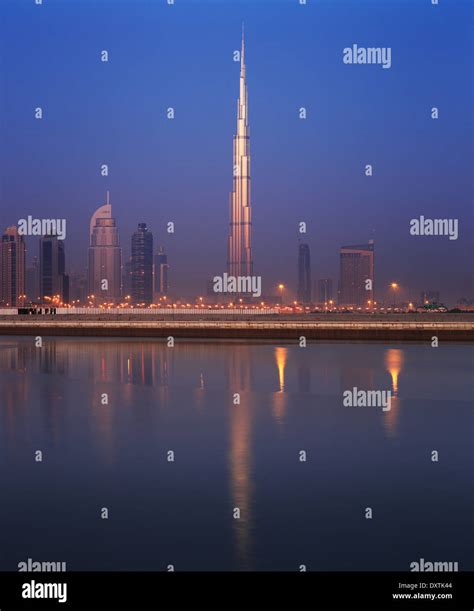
[(239, 249)]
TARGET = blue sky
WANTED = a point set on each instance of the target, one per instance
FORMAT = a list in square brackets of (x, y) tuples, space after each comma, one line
[(302, 170)]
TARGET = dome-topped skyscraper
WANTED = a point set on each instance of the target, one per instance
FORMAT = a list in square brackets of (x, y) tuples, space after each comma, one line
[(105, 257)]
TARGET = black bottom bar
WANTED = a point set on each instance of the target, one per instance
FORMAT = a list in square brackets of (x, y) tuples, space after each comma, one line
[(159, 590)]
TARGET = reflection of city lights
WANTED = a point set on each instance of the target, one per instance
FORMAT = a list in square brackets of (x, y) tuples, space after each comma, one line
[(394, 359), (394, 363), (280, 355)]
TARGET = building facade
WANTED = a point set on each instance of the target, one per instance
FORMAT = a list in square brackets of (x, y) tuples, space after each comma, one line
[(161, 273), (78, 288), (142, 265), (105, 257), (12, 270), (54, 282), (356, 284), (325, 292), (304, 274), (32, 281)]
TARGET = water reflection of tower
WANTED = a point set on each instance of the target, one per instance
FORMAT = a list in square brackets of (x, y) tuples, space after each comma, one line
[(50, 399), (136, 363), (394, 359), (162, 367), (103, 358), (166, 365), (14, 355), (47, 357), (280, 398), (13, 396), (240, 420)]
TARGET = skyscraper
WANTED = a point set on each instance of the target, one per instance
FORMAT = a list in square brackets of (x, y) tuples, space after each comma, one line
[(127, 280), (161, 272), (325, 290), (32, 282), (239, 251), (142, 265), (304, 274), (78, 288), (356, 286), (12, 268), (105, 256), (54, 282)]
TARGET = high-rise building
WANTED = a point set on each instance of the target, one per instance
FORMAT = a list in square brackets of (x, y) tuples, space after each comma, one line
[(304, 274), (105, 257), (12, 268), (54, 282), (127, 280), (325, 290), (356, 286), (32, 282), (239, 248), (142, 265), (78, 288), (161, 272)]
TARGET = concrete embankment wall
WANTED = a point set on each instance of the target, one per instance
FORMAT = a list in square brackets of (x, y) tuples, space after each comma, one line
[(231, 329)]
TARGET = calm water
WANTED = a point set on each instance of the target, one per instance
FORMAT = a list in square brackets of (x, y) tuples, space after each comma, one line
[(228, 456)]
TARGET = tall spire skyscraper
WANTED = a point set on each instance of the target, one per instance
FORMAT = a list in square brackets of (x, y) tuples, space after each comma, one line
[(239, 250)]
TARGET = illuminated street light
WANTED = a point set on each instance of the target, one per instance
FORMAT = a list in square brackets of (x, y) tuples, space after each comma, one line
[(394, 286), (281, 288)]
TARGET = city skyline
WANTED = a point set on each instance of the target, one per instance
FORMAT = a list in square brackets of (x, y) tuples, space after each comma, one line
[(143, 278), (298, 171)]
